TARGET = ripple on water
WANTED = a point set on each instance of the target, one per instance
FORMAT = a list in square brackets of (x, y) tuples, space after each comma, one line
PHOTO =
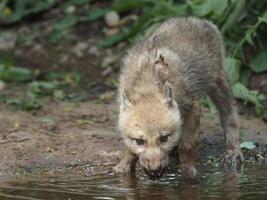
[(209, 184)]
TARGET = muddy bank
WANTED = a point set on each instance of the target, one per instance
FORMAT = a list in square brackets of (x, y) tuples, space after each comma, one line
[(82, 138), (61, 134)]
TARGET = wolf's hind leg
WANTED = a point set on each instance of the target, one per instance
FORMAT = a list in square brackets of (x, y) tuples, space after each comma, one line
[(221, 95)]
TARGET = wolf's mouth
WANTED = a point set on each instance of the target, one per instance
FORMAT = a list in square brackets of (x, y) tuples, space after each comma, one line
[(155, 175)]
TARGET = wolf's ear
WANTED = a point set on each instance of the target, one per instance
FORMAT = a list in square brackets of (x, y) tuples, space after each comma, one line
[(169, 94), (161, 68), (160, 59), (125, 102)]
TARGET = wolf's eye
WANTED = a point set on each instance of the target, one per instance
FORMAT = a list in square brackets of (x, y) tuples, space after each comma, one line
[(163, 138), (140, 141)]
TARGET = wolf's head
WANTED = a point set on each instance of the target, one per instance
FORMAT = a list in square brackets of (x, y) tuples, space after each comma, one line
[(150, 125)]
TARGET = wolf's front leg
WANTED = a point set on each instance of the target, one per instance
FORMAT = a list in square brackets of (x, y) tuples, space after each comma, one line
[(127, 163), (189, 140)]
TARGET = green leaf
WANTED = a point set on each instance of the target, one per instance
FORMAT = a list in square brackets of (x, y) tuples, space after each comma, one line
[(10, 101), (259, 62), (249, 37), (66, 22), (6, 60), (218, 7), (233, 69), (15, 74), (52, 75), (58, 94), (25, 8), (39, 6), (32, 104), (95, 14), (209, 6), (43, 87), (2, 6), (241, 92), (78, 2), (109, 41), (207, 102), (245, 76), (124, 6), (234, 17), (263, 18), (55, 36), (247, 145)]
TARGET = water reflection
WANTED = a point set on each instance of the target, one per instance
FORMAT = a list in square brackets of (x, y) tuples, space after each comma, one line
[(229, 185), (209, 184), (213, 186)]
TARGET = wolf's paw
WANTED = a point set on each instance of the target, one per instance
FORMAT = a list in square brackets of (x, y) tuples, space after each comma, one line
[(189, 170), (233, 158), (122, 168)]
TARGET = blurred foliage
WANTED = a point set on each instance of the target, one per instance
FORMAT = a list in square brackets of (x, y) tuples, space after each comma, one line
[(13, 11), (47, 84), (242, 23)]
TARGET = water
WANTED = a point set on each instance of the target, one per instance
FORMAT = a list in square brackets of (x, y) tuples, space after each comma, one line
[(209, 184)]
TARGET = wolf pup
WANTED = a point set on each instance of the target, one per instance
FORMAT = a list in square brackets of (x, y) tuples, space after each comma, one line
[(161, 81)]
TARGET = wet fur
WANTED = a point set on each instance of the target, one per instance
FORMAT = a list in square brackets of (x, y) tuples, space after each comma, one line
[(188, 54)]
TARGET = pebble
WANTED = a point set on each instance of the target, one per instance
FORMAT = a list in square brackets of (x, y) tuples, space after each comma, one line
[(7, 41), (2, 85), (107, 71), (112, 31), (108, 60), (93, 50), (70, 9), (112, 18), (79, 49)]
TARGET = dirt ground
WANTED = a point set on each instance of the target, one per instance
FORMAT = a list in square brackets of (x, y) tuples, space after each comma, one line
[(82, 138)]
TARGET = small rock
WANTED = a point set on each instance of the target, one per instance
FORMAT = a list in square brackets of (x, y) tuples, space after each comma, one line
[(94, 51), (81, 122), (70, 9), (72, 152), (107, 95), (108, 60), (37, 47), (2, 85), (18, 52), (50, 149), (265, 156), (128, 19), (107, 71), (7, 41), (47, 121), (259, 82), (64, 58), (79, 49), (121, 44), (67, 109), (16, 125), (112, 31), (24, 30), (112, 18)]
